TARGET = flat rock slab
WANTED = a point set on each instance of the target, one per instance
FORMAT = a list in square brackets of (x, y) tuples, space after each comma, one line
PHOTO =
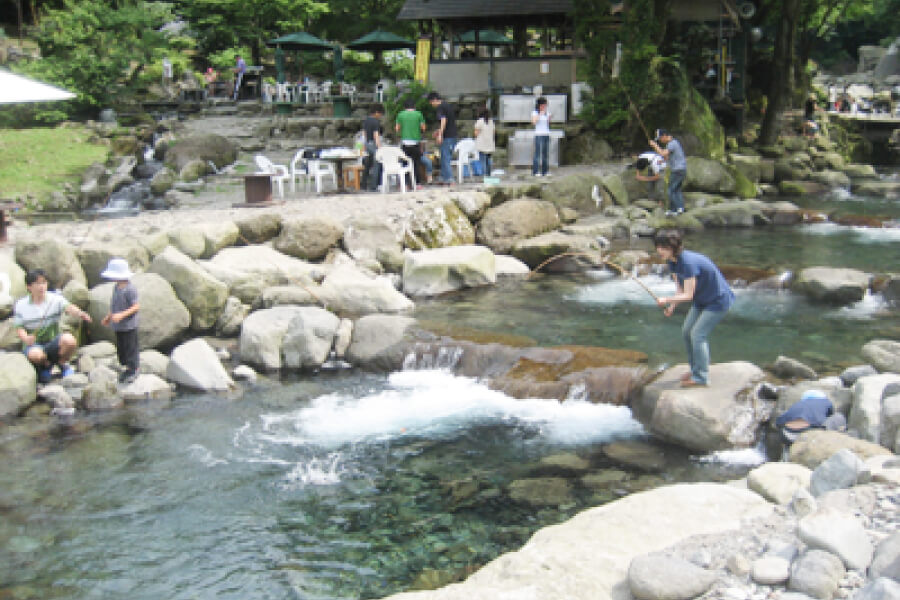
[(608, 538)]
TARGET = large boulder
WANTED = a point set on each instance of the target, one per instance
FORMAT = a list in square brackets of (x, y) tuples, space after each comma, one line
[(832, 285), (730, 214), (747, 164), (308, 238), (366, 240), (309, 337), (614, 187), (56, 257), (865, 416), (779, 481), (600, 226), (815, 446), (194, 364), (204, 240), (607, 539), (472, 203), (379, 343), (202, 294), (163, 319), (17, 381), (94, 256), (346, 289), (514, 220), (204, 146), (705, 175), (574, 192), (433, 272), (883, 354), (438, 224), (262, 336), (248, 270), (723, 415), (583, 250), (258, 228)]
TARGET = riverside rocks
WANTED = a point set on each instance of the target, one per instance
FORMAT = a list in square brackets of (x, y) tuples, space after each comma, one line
[(723, 415)]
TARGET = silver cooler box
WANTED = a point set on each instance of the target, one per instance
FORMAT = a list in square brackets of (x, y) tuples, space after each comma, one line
[(521, 147)]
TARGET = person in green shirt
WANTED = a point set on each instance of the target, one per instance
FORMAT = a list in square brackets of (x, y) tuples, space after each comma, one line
[(410, 124)]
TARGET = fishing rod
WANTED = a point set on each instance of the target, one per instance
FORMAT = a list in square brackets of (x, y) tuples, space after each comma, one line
[(621, 271), (636, 112)]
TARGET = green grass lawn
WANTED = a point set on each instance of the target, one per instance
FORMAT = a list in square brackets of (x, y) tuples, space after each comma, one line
[(35, 162)]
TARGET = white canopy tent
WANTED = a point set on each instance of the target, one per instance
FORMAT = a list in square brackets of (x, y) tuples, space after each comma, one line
[(15, 89)]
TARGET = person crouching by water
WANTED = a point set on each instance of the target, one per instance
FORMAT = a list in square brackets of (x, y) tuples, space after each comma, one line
[(701, 283), (36, 317), (123, 317), (813, 411)]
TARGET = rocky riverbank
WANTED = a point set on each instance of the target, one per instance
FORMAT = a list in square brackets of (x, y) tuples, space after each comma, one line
[(315, 282)]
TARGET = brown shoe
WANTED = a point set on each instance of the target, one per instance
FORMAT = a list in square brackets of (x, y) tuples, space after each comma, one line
[(690, 383), (685, 377)]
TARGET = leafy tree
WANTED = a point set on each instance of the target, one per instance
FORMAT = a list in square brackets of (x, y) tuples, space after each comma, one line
[(350, 19), (780, 86), (634, 35), (222, 24), (94, 48)]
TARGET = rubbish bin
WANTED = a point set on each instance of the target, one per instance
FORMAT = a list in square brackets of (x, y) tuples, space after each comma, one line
[(283, 108), (257, 188), (341, 106)]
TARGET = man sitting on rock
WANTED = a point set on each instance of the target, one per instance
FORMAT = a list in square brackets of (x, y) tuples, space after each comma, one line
[(36, 317), (813, 411)]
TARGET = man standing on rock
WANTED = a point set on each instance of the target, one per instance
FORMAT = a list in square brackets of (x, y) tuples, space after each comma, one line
[(701, 283), (673, 153), (36, 317)]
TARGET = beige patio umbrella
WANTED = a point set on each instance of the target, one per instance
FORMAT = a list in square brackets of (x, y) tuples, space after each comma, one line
[(15, 89)]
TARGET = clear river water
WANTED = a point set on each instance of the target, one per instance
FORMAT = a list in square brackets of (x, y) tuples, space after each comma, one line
[(353, 485)]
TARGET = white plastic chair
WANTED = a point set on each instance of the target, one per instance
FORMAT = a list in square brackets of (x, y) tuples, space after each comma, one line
[(284, 92), (319, 170), (349, 90), (299, 171), (277, 173), (465, 153), (395, 162)]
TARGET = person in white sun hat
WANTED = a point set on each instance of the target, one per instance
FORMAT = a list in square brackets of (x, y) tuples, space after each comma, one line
[(123, 317)]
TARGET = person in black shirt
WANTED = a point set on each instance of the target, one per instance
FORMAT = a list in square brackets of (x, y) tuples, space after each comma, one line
[(446, 133), (374, 139)]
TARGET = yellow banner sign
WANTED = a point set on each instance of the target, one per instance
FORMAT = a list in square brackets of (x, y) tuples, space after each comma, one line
[(423, 57)]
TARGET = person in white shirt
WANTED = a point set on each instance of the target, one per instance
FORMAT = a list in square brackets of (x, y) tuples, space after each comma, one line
[(36, 317), (540, 118), (649, 167), (484, 139)]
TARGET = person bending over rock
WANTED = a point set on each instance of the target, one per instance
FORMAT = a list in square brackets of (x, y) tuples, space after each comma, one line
[(36, 317)]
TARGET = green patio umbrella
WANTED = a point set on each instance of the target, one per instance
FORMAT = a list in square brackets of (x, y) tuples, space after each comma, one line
[(299, 40), (378, 41)]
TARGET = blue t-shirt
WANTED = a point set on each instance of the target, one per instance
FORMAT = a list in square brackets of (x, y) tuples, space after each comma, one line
[(812, 410), (712, 292), (677, 161)]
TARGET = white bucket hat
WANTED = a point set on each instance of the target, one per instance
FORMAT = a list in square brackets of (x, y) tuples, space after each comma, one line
[(117, 270)]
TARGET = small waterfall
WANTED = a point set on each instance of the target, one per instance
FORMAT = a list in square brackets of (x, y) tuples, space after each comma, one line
[(446, 358)]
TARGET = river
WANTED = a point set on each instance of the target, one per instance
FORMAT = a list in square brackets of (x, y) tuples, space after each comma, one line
[(353, 485)]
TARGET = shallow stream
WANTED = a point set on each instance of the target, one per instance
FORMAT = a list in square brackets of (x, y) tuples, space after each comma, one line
[(347, 485)]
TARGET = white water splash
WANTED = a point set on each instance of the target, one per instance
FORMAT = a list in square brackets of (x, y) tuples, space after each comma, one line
[(317, 471), (871, 235), (743, 457), (870, 307), (205, 456), (621, 290), (437, 404)]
